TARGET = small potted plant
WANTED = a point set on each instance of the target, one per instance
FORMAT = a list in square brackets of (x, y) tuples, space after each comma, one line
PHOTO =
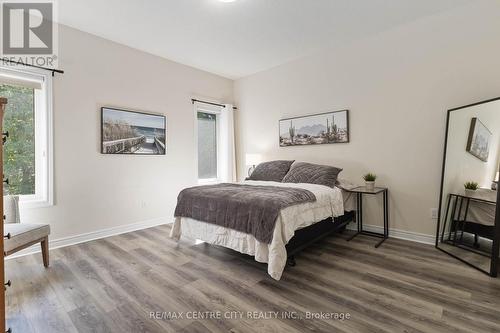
[(470, 188), (370, 181)]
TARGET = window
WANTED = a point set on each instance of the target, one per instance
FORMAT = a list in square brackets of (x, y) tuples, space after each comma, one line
[(27, 153), (207, 146), (19, 152), (215, 151)]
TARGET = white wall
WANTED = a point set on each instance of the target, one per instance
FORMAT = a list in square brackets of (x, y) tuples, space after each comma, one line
[(397, 86), (94, 191)]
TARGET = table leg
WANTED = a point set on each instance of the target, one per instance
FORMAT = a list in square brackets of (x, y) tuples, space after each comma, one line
[(386, 219), (358, 219), (445, 221), (386, 213), (352, 236), (458, 221), (453, 214), (380, 243), (462, 224), (360, 211)]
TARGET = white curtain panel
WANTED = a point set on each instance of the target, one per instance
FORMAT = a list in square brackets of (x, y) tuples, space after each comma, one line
[(227, 146)]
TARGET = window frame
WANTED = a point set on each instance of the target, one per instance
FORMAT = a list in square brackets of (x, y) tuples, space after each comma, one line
[(43, 115), (199, 107)]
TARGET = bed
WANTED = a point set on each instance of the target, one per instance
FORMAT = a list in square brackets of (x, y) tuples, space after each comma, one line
[(477, 215), (295, 226)]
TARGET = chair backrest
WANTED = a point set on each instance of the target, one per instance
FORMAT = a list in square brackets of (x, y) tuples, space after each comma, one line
[(11, 209)]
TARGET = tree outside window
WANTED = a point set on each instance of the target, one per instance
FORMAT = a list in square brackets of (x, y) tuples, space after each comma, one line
[(19, 151)]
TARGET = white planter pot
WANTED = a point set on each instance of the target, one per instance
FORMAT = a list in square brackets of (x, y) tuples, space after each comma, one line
[(370, 186), (470, 193)]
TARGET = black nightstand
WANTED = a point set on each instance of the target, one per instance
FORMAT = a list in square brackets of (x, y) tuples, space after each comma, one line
[(360, 190)]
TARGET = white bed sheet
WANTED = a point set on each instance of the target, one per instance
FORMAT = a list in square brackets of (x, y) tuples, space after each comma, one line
[(329, 203), (480, 212)]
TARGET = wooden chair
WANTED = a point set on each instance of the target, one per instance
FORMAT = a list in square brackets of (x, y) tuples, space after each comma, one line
[(22, 235)]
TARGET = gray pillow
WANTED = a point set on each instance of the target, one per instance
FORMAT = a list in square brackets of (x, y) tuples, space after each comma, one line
[(301, 172), (271, 171)]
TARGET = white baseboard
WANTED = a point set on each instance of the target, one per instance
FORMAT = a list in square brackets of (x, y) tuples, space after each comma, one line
[(72, 240), (400, 234)]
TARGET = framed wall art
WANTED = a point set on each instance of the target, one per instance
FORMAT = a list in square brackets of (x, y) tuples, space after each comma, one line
[(132, 132), (323, 128)]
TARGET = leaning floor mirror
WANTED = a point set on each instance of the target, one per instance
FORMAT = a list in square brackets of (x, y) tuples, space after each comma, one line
[(469, 223)]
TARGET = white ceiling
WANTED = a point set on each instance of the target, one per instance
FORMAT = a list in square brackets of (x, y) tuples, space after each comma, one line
[(243, 37)]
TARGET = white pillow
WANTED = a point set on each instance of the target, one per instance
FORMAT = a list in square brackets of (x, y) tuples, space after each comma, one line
[(344, 184), (11, 209)]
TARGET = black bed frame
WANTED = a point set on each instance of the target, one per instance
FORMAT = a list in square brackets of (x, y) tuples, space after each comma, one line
[(314, 233)]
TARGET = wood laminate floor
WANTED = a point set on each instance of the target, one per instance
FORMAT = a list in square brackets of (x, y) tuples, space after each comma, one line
[(113, 285)]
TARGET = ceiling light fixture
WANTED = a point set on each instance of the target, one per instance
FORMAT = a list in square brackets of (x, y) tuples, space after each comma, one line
[(227, 0)]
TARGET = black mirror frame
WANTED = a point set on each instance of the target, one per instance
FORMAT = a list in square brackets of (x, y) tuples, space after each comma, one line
[(496, 241)]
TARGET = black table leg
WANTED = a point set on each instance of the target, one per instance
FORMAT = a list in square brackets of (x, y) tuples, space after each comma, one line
[(453, 215), (358, 216), (445, 221), (462, 224), (386, 219), (354, 235), (457, 221), (387, 213), (380, 243)]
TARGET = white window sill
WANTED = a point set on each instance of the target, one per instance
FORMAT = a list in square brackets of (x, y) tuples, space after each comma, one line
[(29, 202), (210, 181)]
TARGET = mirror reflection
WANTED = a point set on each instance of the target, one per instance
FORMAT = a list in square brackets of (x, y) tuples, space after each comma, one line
[(469, 185)]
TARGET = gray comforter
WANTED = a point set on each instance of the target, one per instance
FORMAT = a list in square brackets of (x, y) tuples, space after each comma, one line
[(246, 208)]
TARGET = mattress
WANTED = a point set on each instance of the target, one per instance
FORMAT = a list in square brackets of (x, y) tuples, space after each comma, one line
[(329, 203)]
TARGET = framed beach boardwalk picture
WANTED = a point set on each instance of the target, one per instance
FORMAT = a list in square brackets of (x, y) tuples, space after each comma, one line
[(478, 143), (132, 132), (323, 128)]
